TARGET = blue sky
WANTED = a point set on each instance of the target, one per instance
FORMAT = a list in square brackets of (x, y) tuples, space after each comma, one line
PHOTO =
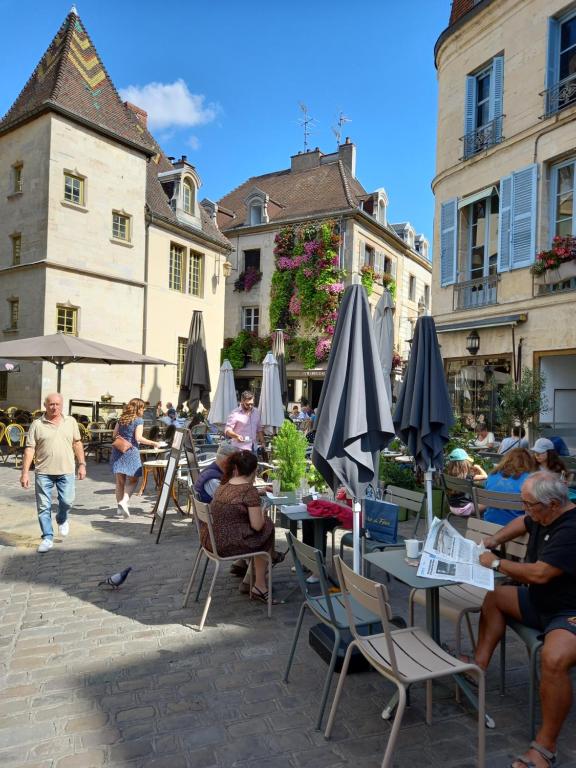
[(223, 81)]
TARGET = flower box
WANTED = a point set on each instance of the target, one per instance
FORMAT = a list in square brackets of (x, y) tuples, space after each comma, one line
[(563, 271)]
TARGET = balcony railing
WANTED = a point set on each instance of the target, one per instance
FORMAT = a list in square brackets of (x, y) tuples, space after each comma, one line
[(476, 293), (561, 95), (483, 138)]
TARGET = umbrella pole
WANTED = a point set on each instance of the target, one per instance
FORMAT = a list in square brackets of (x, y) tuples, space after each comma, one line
[(356, 508), (429, 500), (59, 367)]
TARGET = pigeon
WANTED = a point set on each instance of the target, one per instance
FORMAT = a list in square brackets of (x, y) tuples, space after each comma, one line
[(117, 580)]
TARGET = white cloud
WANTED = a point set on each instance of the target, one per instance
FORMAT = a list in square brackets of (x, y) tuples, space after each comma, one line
[(170, 104), (193, 142)]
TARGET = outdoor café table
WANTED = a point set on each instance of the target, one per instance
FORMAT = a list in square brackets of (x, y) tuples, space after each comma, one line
[(294, 513), (393, 561), (157, 467), (101, 433)]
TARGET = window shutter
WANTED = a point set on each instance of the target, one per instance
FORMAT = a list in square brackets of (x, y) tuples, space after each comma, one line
[(504, 230), (497, 95), (469, 121), (553, 65), (448, 241), (523, 220)]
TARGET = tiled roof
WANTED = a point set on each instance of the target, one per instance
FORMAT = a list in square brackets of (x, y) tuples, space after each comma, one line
[(318, 191), (461, 8), (71, 78)]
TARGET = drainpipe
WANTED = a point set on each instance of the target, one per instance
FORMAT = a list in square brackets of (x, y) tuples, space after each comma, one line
[(145, 307)]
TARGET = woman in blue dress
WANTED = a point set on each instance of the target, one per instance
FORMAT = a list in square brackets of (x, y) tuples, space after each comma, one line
[(127, 466)]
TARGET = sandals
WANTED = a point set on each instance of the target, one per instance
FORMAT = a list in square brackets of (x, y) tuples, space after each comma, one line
[(258, 594), (550, 757)]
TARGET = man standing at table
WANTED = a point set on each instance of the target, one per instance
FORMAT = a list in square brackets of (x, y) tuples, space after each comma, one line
[(547, 602), (243, 426), (52, 442)]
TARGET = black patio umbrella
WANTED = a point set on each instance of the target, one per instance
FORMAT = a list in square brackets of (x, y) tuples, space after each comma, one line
[(423, 413), (195, 383), (7, 366), (353, 422), (279, 354)]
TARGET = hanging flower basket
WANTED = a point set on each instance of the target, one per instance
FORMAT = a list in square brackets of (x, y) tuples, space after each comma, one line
[(247, 280)]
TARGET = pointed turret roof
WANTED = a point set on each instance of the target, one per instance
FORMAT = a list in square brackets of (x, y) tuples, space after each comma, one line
[(72, 80)]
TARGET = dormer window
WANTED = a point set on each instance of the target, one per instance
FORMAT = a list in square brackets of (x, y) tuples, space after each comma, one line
[(188, 197), (256, 207), (255, 214)]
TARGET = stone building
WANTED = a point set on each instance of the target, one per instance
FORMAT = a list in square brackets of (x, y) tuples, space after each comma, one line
[(504, 188), (100, 234), (314, 188)]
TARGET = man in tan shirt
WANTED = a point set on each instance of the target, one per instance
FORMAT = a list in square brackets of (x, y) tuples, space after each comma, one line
[(52, 442)]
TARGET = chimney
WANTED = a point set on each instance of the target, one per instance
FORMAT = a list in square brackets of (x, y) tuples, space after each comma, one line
[(347, 154), (303, 161), (141, 116)]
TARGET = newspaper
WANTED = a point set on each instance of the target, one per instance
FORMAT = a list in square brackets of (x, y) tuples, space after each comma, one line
[(448, 556)]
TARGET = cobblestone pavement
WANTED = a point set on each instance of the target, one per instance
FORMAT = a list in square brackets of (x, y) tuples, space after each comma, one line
[(92, 677)]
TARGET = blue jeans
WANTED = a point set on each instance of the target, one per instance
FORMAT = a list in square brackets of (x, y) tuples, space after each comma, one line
[(65, 489)]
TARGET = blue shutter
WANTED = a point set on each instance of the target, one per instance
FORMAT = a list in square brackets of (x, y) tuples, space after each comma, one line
[(469, 106), (504, 231), (448, 241), (553, 65), (523, 219), (497, 96)]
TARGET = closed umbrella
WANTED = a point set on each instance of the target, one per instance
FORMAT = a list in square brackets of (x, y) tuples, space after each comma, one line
[(423, 413), (195, 383), (224, 400), (62, 349), (270, 405), (353, 422), (384, 332), (279, 354)]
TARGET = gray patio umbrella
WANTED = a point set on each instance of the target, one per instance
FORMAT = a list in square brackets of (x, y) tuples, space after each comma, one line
[(62, 349), (279, 354), (270, 406), (353, 422), (195, 384), (225, 399), (7, 366), (423, 413), (384, 332)]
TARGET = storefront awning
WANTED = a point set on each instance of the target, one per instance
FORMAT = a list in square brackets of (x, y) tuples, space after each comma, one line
[(484, 322), (294, 370)]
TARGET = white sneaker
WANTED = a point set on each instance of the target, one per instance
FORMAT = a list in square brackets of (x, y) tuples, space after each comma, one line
[(45, 545), (64, 529), (123, 511), (312, 580)]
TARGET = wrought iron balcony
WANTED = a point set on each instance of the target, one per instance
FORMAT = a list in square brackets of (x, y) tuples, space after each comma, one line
[(561, 95), (476, 293), (483, 138)]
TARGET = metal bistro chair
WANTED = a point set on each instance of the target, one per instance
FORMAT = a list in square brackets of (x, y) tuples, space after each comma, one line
[(403, 656), (15, 438), (456, 485), (482, 497), (328, 607), (203, 516)]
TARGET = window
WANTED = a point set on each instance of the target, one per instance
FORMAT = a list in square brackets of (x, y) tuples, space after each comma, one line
[(13, 308), (16, 249), (17, 178), (250, 319), (176, 267), (411, 288), (67, 319), (561, 77), (120, 226), (74, 190), (196, 273), (483, 108), (188, 196), (562, 198), (482, 246), (252, 259), (427, 296), (369, 256), (180, 358), (388, 265), (255, 214), (3, 385)]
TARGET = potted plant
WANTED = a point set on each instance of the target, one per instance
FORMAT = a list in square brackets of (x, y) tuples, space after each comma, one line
[(289, 452), (521, 402), (558, 263)]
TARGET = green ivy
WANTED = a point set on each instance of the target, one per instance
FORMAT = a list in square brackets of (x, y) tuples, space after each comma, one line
[(280, 293)]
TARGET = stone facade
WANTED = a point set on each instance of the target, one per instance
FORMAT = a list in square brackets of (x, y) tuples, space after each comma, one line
[(495, 177)]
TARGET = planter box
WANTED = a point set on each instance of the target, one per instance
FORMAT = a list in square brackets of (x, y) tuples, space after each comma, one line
[(564, 271)]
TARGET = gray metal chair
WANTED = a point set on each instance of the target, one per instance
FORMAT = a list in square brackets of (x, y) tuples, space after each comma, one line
[(327, 607), (403, 656), (456, 485), (203, 516), (484, 498)]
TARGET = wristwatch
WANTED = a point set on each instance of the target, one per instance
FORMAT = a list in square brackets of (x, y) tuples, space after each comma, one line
[(495, 565), (81, 463)]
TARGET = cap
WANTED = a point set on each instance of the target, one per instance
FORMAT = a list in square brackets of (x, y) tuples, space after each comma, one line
[(459, 454), (542, 445)]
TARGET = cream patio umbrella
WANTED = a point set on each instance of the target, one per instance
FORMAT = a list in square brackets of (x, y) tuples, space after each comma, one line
[(225, 399), (270, 406)]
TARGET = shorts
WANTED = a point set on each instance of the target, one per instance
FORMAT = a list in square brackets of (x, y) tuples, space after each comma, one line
[(545, 622)]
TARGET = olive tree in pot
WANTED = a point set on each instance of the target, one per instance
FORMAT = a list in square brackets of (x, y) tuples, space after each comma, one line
[(523, 401), (289, 452)]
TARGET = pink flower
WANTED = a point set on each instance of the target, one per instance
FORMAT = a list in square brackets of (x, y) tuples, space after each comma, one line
[(336, 288), (323, 349), (295, 304)]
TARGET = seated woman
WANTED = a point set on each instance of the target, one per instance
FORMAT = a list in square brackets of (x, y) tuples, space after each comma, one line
[(508, 477), (461, 465), (239, 522)]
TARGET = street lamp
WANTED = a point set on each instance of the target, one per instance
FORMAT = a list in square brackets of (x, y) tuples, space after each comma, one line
[(473, 342)]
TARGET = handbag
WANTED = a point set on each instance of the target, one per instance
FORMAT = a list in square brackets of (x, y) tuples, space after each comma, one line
[(381, 521), (121, 444)]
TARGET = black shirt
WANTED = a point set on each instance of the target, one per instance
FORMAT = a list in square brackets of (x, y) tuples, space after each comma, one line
[(554, 544)]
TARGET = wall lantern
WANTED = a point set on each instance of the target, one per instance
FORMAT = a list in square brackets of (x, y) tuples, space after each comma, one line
[(473, 342), (227, 268)]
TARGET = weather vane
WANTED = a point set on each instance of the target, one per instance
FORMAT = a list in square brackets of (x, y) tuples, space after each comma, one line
[(337, 129)]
